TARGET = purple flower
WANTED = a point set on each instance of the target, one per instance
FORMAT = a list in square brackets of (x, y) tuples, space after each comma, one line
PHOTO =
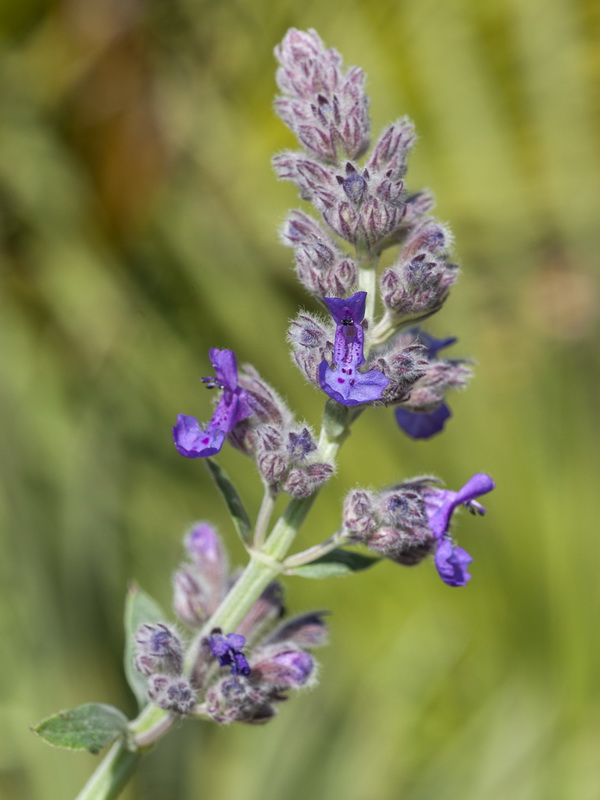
[(424, 426), (196, 441), (451, 561), (228, 652), (344, 382)]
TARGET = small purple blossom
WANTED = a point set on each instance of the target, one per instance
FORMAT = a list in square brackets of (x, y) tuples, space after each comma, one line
[(451, 561), (425, 425), (343, 382), (228, 652), (193, 440)]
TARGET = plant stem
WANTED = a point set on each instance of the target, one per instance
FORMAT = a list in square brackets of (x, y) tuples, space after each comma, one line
[(113, 773), (264, 517), (117, 767)]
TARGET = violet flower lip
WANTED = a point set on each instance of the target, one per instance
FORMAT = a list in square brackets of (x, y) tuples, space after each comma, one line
[(343, 382), (193, 440)]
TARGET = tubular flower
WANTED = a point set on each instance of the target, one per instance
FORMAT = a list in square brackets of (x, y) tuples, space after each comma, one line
[(425, 425), (343, 382), (451, 561), (193, 440)]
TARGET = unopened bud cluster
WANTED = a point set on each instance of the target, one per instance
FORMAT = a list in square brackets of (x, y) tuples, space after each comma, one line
[(238, 676)]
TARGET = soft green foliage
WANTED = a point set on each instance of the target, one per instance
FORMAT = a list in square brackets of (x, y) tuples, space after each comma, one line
[(88, 727), (336, 564), (136, 195)]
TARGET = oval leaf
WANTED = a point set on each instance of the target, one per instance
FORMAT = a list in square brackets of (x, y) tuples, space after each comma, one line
[(336, 564), (139, 608), (233, 501), (88, 727)]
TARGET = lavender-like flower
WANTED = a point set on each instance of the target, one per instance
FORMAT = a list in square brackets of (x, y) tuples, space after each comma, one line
[(228, 652), (343, 382), (451, 561), (425, 425), (326, 108), (195, 441), (411, 521)]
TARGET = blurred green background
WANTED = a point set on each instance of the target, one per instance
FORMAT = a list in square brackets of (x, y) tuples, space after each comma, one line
[(139, 218)]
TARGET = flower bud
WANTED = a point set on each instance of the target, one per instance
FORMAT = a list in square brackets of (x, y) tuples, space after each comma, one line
[(172, 694), (235, 699), (300, 445), (303, 481), (272, 466), (390, 153), (209, 557), (281, 667), (159, 649), (358, 514), (190, 603), (311, 341), (403, 364)]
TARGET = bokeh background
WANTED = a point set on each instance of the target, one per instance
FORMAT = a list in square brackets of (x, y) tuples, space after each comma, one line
[(139, 218)]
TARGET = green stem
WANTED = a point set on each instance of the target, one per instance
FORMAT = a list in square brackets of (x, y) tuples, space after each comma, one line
[(264, 517), (118, 765), (120, 762)]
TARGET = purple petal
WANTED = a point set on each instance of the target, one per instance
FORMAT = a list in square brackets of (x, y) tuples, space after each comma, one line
[(350, 387), (479, 484), (232, 408), (440, 503), (451, 562), (423, 426), (236, 640), (194, 442), (432, 344), (225, 366), (352, 308)]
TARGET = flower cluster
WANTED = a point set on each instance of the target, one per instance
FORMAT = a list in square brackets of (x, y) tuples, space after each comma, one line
[(410, 521), (263, 660)]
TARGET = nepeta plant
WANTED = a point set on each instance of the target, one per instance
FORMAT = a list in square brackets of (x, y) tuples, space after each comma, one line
[(240, 657)]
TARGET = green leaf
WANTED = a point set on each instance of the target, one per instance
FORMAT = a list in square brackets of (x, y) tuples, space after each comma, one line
[(337, 564), (233, 501), (88, 727), (139, 608)]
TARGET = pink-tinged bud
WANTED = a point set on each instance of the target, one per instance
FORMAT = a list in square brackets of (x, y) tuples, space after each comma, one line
[(391, 151), (235, 699), (358, 515), (190, 602), (417, 288), (209, 557), (272, 466), (325, 108), (404, 365), (305, 631), (440, 376), (159, 649), (267, 405), (172, 694), (311, 341), (304, 481), (280, 667), (429, 236)]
